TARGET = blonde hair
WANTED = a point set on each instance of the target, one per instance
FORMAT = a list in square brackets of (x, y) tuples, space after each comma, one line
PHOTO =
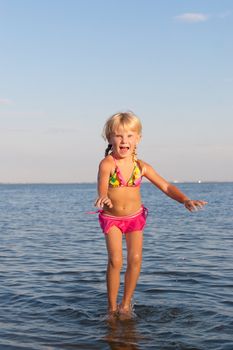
[(126, 120)]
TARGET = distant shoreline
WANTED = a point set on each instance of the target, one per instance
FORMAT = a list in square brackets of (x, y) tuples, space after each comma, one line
[(94, 183)]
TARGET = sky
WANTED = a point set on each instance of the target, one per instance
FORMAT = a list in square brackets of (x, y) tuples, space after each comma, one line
[(67, 65)]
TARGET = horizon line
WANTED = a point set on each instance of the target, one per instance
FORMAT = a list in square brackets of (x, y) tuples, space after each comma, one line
[(95, 182)]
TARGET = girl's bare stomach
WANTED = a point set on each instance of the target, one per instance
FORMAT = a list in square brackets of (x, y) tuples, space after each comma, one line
[(125, 200)]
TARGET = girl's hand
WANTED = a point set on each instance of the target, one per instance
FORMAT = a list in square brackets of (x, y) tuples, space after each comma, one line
[(101, 201), (192, 205)]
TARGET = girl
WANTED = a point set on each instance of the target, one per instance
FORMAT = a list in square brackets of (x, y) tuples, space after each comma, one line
[(119, 177)]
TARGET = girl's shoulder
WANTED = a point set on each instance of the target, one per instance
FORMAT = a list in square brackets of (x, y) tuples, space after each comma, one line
[(107, 162), (143, 166), (107, 159)]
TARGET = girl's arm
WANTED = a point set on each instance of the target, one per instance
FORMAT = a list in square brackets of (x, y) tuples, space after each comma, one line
[(171, 190), (103, 183)]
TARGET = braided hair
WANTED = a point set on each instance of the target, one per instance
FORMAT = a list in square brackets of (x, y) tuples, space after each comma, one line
[(134, 154), (108, 149)]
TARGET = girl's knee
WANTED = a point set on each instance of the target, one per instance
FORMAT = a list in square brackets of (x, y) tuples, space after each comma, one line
[(115, 261), (134, 260)]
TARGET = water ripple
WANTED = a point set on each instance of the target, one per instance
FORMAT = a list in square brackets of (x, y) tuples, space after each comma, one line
[(52, 272)]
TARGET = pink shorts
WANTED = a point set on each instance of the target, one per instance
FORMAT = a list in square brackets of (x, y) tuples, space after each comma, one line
[(129, 223)]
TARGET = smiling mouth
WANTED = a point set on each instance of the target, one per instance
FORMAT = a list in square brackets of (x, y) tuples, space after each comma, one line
[(124, 148)]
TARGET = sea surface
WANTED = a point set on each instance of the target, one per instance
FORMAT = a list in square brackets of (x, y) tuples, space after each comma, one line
[(52, 271)]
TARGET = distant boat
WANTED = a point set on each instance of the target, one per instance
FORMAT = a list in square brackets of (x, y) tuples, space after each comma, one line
[(199, 181)]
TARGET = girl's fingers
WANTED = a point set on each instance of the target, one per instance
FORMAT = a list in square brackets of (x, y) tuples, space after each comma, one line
[(105, 201), (96, 203), (100, 202), (193, 205), (108, 203), (200, 203)]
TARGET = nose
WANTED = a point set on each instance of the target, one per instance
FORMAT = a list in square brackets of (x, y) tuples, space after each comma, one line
[(124, 139)]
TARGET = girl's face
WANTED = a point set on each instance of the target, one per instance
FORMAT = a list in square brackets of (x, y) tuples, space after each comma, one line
[(124, 142)]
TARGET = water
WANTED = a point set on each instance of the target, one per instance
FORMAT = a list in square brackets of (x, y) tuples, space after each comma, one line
[(52, 272)]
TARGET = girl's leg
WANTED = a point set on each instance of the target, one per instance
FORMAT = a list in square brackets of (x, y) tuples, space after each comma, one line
[(114, 247), (134, 242)]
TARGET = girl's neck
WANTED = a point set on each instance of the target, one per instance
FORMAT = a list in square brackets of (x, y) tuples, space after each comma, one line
[(128, 159)]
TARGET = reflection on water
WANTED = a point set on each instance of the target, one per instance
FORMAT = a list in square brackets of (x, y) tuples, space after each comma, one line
[(123, 334)]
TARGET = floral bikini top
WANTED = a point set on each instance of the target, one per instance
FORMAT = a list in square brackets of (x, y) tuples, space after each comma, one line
[(117, 180)]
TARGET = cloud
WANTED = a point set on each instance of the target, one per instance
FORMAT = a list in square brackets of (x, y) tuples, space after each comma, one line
[(192, 17), (5, 101)]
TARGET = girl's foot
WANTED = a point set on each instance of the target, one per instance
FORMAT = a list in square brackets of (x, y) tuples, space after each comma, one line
[(125, 313)]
